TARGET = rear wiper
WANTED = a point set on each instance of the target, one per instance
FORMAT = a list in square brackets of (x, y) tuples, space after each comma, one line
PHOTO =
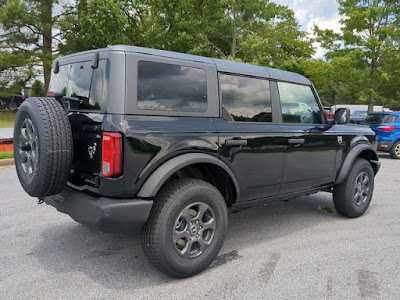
[(73, 99)]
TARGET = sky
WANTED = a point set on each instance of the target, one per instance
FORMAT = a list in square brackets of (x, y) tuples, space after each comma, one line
[(323, 13)]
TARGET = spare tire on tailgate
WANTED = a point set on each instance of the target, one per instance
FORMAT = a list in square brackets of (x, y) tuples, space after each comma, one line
[(42, 146)]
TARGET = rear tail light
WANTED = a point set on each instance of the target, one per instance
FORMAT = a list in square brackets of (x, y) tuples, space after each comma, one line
[(387, 128), (111, 159)]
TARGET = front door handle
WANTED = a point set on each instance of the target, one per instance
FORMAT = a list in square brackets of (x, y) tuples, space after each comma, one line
[(235, 142), (296, 141)]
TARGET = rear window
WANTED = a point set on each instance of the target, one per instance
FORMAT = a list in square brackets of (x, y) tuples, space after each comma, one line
[(378, 119), (83, 87), (168, 87)]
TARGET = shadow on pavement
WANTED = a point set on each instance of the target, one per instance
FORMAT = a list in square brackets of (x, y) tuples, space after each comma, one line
[(116, 260), (384, 155)]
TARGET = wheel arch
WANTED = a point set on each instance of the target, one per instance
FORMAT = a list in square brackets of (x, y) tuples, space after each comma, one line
[(163, 173), (362, 150), (396, 140)]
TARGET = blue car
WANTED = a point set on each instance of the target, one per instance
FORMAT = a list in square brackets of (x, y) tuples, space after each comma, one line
[(387, 128)]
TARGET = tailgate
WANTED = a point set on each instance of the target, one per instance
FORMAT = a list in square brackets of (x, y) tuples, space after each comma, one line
[(86, 134)]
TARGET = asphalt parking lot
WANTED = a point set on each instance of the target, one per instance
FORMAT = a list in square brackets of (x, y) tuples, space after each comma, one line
[(286, 250)]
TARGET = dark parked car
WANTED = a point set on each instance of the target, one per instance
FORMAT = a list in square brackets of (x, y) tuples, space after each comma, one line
[(387, 128), (135, 136), (12, 103), (358, 116)]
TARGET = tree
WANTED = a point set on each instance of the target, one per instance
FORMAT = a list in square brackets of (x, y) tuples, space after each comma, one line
[(320, 72), (37, 89), (95, 24), (27, 33), (365, 56), (254, 31)]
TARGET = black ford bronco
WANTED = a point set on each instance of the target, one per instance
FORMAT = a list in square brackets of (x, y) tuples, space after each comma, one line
[(131, 137)]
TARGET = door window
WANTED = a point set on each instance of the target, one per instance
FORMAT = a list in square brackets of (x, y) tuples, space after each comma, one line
[(245, 98), (299, 104)]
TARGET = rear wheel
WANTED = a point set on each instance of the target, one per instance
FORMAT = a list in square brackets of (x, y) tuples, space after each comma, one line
[(186, 227), (395, 151), (353, 196), (12, 106)]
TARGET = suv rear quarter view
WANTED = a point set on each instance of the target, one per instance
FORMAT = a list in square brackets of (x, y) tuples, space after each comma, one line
[(131, 137), (386, 125)]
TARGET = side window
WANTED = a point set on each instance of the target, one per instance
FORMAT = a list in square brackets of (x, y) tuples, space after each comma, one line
[(299, 104), (168, 87), (245, 98)]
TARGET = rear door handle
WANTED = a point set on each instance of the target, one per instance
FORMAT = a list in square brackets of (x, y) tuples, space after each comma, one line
[(235, 142), (296, 141)]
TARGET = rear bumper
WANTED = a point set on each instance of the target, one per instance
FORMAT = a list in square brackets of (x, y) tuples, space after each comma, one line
[(384, 146), (103, 213)]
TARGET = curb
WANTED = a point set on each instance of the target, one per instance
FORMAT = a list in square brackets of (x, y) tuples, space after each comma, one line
[(7, 162)]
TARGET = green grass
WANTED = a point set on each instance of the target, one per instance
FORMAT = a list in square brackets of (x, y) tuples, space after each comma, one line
[(7, 119), (6, 154)]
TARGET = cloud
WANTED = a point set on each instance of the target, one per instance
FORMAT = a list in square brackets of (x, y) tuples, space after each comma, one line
[(323, 13), (331, 22), (306, 9)]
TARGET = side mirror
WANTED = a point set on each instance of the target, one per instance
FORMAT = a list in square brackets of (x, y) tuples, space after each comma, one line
[(342, 116)]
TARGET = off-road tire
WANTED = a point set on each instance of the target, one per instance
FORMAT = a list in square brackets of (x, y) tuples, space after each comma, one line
[(343, 194), (157, 233), (54, 151), (395, 148)]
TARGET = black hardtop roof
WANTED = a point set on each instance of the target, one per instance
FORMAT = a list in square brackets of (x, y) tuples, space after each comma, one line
[(222, 65)]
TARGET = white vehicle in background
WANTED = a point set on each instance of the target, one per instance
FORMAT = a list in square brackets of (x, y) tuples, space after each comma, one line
[(354, 107)]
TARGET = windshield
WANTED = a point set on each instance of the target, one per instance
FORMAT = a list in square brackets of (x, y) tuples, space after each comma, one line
[(378, 119), (359, 113)]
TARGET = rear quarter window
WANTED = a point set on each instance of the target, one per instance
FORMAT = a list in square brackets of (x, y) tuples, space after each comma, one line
[(170, 87), (378, 119)]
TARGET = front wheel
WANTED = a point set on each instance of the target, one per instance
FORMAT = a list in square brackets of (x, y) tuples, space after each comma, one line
[(186, 227), (395, 151), (353, 196)]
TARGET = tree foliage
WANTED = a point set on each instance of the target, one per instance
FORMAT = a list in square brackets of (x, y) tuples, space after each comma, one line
[(255, 31), (37, 89), (27, 33), (365, 57)]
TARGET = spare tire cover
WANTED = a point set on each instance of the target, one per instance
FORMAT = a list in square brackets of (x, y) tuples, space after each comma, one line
[(42, 146)]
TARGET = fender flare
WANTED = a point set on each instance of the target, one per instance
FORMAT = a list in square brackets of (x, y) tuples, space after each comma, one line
[(162, 173), (351, 157)]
